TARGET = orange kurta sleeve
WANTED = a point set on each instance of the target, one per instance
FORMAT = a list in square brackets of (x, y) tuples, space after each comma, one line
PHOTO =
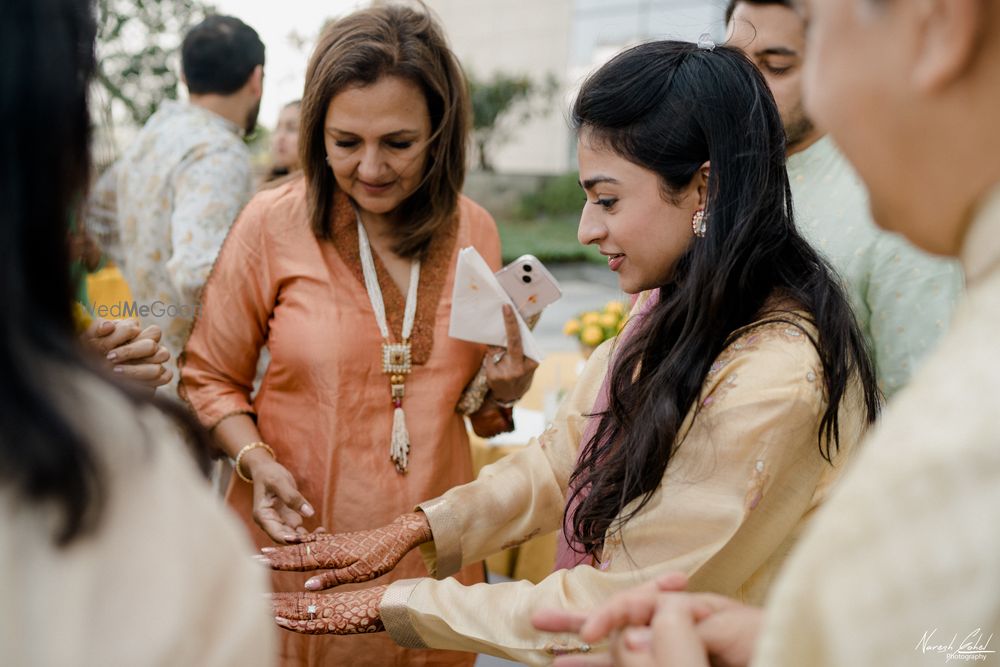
[(219, 362)]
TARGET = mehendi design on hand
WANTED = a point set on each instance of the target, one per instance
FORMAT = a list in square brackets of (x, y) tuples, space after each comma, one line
[(351, 557), (350, 613)]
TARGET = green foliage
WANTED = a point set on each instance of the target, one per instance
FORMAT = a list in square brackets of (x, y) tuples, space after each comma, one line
[(138, 45), (502, 100), (551, 240), (558, 196)]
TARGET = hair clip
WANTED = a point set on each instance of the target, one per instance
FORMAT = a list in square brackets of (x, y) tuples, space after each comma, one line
[(706, 43)]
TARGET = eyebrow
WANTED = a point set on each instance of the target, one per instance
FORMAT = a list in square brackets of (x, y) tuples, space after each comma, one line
[(777, 51), (395, 133), (597, 180)]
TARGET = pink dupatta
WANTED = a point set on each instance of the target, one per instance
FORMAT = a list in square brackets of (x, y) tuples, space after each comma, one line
[(566, 556)]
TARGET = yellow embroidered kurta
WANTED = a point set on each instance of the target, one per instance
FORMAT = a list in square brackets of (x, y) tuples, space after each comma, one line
[(905, 557), (324, 404), (733, 499)]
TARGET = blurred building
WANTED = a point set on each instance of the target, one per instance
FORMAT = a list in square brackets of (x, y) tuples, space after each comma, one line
[(566, 39)]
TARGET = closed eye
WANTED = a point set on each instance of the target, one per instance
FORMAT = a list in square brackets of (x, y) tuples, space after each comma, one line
[(400, 145), (345, 143)]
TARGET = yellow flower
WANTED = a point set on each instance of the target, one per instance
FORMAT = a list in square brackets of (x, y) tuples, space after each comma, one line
[(590, 318), (615, 307), (609, 320), (592, 335), (572, 327)]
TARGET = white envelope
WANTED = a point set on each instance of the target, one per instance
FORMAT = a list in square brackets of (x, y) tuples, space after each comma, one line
[(476, 306)]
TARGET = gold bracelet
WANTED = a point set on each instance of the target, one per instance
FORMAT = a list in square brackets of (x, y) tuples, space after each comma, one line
[(239, 458)]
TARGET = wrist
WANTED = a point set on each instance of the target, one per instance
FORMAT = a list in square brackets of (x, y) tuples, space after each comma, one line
[(251, 458), (416, 527)]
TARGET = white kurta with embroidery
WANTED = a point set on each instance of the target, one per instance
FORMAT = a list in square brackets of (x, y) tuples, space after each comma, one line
[(905, 556), (172, 197)]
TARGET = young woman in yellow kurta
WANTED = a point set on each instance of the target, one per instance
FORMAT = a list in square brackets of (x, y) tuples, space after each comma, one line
[(357, 418), (702, 440)]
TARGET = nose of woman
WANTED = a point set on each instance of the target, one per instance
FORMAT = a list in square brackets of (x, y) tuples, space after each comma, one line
[(591, 229), (371, 165)]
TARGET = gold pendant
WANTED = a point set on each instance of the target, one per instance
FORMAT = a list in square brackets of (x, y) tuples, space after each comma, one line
[(396, 358)]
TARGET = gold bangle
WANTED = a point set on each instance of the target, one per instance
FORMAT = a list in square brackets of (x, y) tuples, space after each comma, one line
[(239, 458)]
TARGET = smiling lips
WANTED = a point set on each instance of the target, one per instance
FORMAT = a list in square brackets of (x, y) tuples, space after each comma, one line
[(615, 261)]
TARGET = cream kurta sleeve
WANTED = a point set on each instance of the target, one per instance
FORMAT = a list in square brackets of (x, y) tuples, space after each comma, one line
[(522, 494), (736, 492)]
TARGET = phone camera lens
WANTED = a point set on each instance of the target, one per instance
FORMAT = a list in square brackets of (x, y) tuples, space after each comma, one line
[(527, 268), (526, 279)]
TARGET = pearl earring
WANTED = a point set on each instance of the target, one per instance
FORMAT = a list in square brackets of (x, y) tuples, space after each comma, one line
[(699, 223)]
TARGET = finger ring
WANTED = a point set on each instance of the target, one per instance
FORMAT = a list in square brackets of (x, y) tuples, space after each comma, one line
[(309, 551), (498, 357), (311, 610)]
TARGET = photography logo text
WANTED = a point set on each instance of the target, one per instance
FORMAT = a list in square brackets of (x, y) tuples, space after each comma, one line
[(973, 647)]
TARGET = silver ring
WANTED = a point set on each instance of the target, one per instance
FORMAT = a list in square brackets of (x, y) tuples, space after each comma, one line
[(311, 610), (498, 357)]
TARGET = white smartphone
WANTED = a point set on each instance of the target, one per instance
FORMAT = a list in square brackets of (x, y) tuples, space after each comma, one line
[(529, 285)]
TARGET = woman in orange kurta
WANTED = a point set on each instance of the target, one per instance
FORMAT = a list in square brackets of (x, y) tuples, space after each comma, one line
[(383, 160)]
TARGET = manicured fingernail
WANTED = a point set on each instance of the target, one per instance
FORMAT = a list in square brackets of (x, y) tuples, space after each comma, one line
[(263, 560), (112, 356), (291, 538), (637, 638), (268, 550), (307, 509), (119, 369), (312, 584)]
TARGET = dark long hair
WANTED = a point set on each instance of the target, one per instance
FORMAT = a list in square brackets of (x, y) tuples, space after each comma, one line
[(46, 59), (669, 107)]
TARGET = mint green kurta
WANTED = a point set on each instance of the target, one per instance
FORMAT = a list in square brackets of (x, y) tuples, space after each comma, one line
[(903, 297)]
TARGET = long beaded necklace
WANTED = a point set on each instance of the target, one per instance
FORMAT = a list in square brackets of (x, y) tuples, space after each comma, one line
[(397, 359)]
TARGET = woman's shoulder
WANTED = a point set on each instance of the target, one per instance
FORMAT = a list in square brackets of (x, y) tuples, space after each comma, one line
[(276, 211), (477, 218), (777, 351)]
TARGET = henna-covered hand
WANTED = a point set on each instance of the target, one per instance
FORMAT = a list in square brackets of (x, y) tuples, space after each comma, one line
[(351, 613), (351, 557)]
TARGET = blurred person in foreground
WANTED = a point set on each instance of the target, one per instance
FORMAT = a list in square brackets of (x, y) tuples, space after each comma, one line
[(112, 549), (902, 565), (902, 296), (180, 184)]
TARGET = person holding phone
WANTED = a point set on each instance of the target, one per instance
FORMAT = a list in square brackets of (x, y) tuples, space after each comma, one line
[(346, 274), (701, 440)]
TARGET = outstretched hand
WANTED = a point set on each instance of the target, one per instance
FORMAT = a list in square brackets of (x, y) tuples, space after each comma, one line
[(351, 613), (350, 557)]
